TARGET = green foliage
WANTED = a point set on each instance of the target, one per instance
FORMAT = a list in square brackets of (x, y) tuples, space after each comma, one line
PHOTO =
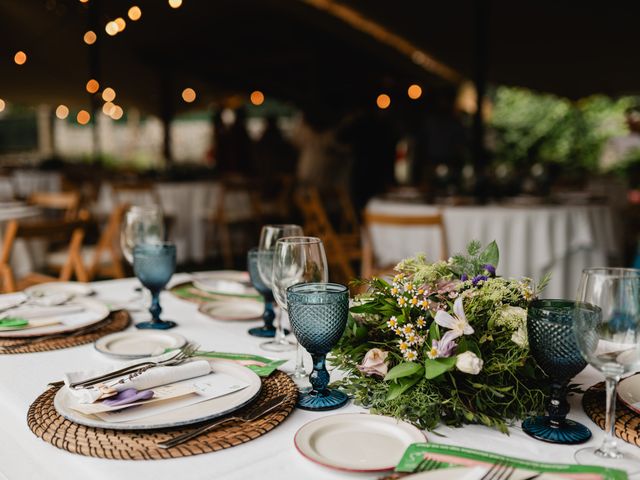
[(533, 127)]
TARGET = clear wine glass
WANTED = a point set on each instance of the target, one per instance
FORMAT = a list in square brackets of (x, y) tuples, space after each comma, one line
[(141, 224), (296, 260), (610, 342), (269, 236)]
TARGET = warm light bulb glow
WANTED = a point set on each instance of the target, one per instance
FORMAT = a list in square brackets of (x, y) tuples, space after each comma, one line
[(62, 112), (120, 23), (414, 92), (188, 95), (90, 37), (83, 117), (84, 1), (257, 97), (93, 86), (108, 108), (2, 105), (20, 57), (112, 28), (108, 94), (117, 112), (175, 3), (383, 101), (135, 13)]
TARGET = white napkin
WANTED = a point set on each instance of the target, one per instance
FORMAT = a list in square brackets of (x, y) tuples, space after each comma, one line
[(151, 378)]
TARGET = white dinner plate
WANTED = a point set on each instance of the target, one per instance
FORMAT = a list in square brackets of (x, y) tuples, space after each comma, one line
[(77, 289), (226, 282), (85, 312), (199, 412), (356, 442), (233, 310), (629, 392), (129, 345)]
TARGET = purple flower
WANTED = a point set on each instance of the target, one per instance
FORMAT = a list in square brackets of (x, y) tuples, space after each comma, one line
[(443, 348), (490, 269), (464, 277), (478, 278)]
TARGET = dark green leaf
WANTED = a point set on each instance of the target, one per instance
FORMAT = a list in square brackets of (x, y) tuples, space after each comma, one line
[(404, 369), (401, 385), (436, 367), (490, 255)]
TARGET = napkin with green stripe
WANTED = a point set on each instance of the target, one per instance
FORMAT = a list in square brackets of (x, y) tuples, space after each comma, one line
[(262, 366)]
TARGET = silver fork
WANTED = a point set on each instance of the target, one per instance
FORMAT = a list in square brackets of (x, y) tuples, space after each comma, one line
[(499, 471), (426, 464), (182, 355)]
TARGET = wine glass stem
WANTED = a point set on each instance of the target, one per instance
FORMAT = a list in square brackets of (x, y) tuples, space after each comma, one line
[(155, 309), (609, 447), (319, 377), (299, 369), (279, 336)]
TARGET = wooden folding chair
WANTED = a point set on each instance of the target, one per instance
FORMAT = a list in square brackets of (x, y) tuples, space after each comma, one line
[(369, 264), (341, 250), (50, 230), (103, 259), (66, 203)]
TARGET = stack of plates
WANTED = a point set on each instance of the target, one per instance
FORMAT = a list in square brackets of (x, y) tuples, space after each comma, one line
[(629, 392)]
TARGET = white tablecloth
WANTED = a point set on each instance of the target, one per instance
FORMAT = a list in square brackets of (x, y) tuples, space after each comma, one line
[(533, 241), (273, 456), (189, 204)]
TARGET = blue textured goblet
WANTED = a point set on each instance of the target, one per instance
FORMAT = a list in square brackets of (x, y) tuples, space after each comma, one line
[(267, 330), (154, 265), (550, 328), (318, 314)]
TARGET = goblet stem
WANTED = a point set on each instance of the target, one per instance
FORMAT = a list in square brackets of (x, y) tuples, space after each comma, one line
[(609, 447), (319, 377), (269, 314), (558, 407), (155, 309)]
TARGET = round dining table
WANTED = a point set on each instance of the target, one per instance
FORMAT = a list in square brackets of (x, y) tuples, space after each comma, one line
[(23, 377), (534, 240)]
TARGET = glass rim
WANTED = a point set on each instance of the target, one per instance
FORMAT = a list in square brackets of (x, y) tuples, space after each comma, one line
[(542, 304), (300, 240), (142, 208), (613, 271), (339, 288), (140, 246), (281, 225)]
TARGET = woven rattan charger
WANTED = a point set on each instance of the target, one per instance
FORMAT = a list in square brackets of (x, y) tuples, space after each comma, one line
[(49, 425), (115, 322), (627, 421)]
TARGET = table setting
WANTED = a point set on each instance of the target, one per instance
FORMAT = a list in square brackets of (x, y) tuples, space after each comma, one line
[(426, 375)]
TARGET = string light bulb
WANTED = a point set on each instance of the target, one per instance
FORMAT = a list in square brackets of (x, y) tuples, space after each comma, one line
[(120, 23), (20, 57), (414, 91), (134, 13), (117, 112), (62, 112), (257, 98), (383, 101), (112, 28), (175, 3), (2, 105), (108, 94), (188, 95), (90, 37), (83, 117), (92, 86), (108, 108)]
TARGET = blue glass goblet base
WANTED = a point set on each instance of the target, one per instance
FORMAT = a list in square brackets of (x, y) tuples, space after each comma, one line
[(156, 325), (263, 331), (329, 399), (567, 433)]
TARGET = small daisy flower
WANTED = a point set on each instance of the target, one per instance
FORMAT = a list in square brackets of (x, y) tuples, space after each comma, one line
[(410, 355), (421, 291), (392, 323), (424, 304), (402, 302), (397, 331), (412, 338), (409, 287), (414, 301), (398, 278), (433, 352), (421, 322), (394, 291), (407, 329), (404, 346)]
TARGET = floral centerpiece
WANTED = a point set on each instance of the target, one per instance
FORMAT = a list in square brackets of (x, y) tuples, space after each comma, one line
[(444, 342)]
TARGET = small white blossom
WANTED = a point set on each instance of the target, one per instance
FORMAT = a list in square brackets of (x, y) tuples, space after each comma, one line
[(469, 362)]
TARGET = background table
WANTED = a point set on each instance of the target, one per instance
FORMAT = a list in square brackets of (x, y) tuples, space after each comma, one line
[(271, 456), (533, 240)]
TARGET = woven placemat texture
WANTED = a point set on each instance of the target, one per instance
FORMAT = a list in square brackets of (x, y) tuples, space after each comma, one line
[(627, 421), (187, 291), (47, 424), (115, 322)]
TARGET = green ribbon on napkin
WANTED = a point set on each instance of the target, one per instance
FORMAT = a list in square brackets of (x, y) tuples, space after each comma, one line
[(452, 456), (190, 292), (262, 366), (13, 322)]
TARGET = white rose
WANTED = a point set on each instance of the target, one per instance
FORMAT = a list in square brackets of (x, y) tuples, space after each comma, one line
[(469, 362)]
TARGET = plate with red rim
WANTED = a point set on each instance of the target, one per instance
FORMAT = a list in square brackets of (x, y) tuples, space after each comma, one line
[(629, 392), (356, 442)]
